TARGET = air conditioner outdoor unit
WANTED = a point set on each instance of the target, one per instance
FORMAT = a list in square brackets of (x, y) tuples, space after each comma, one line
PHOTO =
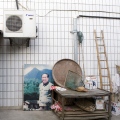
[(19, 23)]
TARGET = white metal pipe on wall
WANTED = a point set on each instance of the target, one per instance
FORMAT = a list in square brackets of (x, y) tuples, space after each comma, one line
[(75, 39)]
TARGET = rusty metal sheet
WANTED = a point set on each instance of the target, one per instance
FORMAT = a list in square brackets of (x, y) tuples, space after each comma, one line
[(61, 68)]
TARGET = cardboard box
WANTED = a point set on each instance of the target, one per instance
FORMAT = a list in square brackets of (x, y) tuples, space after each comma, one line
[(100, 104), (115, 108), (90, 82), (89, 85)]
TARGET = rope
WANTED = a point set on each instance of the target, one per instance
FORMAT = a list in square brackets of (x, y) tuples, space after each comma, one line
[(82, 59)]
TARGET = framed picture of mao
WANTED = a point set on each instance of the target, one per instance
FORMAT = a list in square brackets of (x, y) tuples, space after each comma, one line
[(37, 83)]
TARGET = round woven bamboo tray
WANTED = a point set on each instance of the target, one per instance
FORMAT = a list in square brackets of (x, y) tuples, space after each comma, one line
[(61, 68)]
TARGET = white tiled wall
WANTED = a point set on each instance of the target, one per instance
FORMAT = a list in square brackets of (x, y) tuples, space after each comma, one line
[(54, 19)]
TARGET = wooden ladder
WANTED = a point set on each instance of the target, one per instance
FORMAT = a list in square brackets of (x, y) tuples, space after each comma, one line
[(104, 72)]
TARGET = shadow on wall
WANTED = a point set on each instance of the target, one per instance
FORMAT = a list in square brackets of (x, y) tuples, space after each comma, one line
[(1, 42), (1, 38)]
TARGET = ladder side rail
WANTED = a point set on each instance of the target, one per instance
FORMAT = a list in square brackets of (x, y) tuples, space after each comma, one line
[(108, 71), (99, 65)]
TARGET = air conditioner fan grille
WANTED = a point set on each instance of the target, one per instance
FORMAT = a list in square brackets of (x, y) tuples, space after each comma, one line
[(14, 23)]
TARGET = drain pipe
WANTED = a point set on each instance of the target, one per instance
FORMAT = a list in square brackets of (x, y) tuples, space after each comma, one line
[(75, 39)]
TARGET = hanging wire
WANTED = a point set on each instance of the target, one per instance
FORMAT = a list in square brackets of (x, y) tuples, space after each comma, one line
[(17, 4)]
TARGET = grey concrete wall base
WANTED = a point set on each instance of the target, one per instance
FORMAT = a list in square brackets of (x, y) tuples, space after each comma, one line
[(11, 108)]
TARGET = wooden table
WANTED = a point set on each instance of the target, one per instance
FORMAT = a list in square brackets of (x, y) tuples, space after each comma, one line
[(78, 115)]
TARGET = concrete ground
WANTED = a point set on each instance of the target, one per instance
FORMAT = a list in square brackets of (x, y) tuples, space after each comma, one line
[(32, 115)]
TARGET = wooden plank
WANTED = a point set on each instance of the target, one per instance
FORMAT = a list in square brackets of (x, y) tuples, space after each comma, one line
[(84, 118), (84, 115), (75, 94), (74, 113)]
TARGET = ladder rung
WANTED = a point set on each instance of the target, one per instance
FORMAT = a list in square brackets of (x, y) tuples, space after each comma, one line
[(100, 45), (106, 84), (104, 76), (103, 68), (102, 60), (101, 52), (98, 37)]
